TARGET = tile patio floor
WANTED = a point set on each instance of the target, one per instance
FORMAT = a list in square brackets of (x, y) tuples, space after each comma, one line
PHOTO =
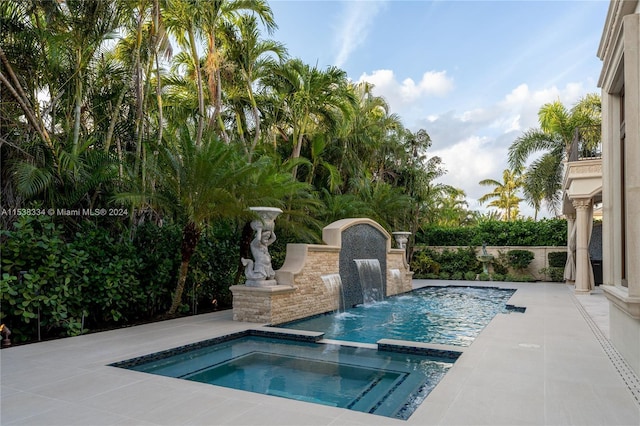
[(550, 365)]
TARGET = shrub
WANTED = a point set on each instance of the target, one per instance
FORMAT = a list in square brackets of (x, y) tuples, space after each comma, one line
[(462, 259), (497, 277), (555, 274), (519, 259), (108, 276), (501, 263), (430, 261), (40, 273), (519, 278), (94, 279), (470, 276), (213, 267), (557, 259), (158, 248), (457, 276), (484, 276), (444, 275), (423, 264)]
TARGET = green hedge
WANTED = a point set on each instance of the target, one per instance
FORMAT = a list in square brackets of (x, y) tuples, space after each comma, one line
[(547, 232), (520, 259), (427, 263), (93, 279), (557, 259)]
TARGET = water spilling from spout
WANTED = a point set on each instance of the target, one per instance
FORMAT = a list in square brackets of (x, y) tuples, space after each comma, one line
[(333, 283), (370, 280)]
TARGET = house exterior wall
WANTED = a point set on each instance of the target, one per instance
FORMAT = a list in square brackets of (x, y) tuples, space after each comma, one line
[(619, 80)]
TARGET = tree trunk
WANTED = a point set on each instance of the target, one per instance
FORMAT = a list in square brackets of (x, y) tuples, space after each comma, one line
[(190, 237), (256, 120), (196, 65), (77, 114)]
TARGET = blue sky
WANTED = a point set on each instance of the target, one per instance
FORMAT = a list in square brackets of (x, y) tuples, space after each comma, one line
[(473, 74)]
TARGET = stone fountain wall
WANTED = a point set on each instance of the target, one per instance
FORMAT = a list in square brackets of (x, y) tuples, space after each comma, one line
[(301, 291), (360, 241)]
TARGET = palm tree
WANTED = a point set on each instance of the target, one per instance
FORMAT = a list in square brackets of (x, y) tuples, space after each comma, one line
[(373, 137), (182, 20), (452, 208), (342, 206), (320, 167), (310, 100), (558, 126), (533, 187), (253, 58), (200, 183), (61, 167), (211, 17), (504, 194), (89, 25)]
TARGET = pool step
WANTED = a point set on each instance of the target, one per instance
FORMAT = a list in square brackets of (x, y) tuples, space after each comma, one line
[(371, 400)]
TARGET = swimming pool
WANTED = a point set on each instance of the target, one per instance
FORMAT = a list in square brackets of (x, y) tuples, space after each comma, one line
[(390, 381), (362, 379), (451, 315)]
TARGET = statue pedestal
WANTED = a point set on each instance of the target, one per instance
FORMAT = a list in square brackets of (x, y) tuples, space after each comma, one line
[(261, 283), (265, 305)]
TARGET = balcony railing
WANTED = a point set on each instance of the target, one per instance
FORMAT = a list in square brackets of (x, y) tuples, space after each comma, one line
[(586, 145)]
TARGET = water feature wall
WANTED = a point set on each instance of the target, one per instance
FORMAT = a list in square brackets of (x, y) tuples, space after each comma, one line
[(303, 285), (360, 241)]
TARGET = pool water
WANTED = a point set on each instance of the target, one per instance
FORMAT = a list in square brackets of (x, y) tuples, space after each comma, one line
[(445, 315), (391, 381), (384, 383)]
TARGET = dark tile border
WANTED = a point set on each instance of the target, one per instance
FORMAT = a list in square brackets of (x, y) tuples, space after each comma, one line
[(156, 356)]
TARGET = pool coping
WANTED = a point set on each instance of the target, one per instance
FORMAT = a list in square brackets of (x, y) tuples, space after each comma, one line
[(384, 345)]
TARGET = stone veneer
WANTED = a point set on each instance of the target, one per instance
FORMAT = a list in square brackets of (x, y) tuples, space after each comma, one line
[(301, 292)]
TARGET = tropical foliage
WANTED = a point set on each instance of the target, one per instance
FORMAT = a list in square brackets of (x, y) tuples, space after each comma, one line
[(504, 195), (180, 114), (553, 139)]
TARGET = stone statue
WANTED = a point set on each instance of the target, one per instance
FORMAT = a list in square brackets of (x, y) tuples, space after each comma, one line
[(259, 271), (260, 268), (484, 249)]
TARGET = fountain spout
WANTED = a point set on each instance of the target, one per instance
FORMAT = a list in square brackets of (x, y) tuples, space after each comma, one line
[(485, 258)]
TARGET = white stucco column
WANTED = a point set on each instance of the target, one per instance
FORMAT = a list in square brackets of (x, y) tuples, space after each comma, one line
[(583, 263), (570, 265)]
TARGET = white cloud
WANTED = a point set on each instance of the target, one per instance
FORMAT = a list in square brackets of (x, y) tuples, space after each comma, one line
[(358, 19), (474, 144), (470, 161), (433, 83), (404, 95)]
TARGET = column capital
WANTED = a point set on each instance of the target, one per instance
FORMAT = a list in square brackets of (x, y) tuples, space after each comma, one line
[(581, 203)]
